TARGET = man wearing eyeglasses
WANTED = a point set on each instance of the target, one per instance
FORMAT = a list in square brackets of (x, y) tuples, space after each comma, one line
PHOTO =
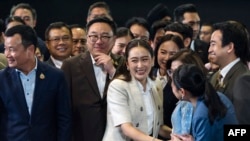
[(88, 75), (59, 42)]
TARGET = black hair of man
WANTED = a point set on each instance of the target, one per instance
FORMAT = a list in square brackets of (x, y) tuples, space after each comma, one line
[(99, 4), (138, 20), (181, 9), (158, 12), (13, 19), (24, 6), (27, 33), (56, 25), (102, 19)]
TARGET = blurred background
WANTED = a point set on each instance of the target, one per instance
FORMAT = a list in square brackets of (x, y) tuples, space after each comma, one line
[(75, 11)]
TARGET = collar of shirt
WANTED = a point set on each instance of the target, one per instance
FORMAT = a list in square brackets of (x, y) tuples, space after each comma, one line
[(226, 69), (148, 88), (57, 63), (163, 79), (100, 76)]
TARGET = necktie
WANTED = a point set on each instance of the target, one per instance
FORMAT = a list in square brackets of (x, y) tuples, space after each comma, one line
[(219, 83)]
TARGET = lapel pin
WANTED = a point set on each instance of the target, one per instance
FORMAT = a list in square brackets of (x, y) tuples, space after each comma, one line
[(42, 76)]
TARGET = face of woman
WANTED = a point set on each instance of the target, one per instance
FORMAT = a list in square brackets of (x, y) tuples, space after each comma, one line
[(166, 50), (139, 63), (120, 45)]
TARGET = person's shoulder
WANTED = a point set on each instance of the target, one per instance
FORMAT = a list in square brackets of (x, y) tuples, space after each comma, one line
[(49, 68), (243, 78), (119, 81), (82, 56), (6, 72)]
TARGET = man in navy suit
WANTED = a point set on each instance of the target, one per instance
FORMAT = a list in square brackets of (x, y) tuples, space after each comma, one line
[(34, 97)]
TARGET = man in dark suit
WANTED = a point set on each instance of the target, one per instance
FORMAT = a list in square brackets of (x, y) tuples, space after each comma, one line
[(229, 49), (58, 38), (34, 97), (188, 15), (88, 75)]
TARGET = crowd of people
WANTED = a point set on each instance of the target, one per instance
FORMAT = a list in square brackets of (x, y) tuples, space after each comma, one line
[(167, 76)]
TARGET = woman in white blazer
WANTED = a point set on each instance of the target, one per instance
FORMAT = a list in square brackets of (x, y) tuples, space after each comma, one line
[(135, 110)]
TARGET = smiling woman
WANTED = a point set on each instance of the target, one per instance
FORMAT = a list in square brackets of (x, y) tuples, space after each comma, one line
[(136, 97)]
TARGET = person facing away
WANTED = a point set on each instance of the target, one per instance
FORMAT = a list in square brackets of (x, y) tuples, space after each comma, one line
[(58, 38), (229, 49), (134, 102), (88, 75), (211, 110), (160, 12), (170, 102), (29, 16), (34, 97)]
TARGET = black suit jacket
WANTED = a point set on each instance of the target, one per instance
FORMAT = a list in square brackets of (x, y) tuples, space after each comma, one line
[(89, 109), (50, 62), (169, 101), (201, 48), (50, 118)]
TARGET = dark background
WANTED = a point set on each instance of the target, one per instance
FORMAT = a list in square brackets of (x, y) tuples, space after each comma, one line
[(75, 11)]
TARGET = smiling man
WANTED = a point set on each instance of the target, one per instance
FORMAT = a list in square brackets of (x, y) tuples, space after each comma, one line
[(34, 97), (229, 50)]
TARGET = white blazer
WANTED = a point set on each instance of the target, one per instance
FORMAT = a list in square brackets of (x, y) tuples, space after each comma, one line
[(126, 105)]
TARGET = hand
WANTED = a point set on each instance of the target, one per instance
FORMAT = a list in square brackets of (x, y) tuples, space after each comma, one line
[(186, 137), (106, 62)]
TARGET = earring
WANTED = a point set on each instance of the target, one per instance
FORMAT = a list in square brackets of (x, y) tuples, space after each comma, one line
[(182, 96)]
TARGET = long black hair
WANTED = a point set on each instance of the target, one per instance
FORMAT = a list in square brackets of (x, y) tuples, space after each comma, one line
[(190, 77)]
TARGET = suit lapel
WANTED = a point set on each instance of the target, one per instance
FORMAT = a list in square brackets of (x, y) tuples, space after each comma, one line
[(18, 92), (231, 72), (136, 94), (40, 84), (87, 66)]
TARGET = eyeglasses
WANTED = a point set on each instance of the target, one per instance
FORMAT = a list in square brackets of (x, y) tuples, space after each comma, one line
[(81, 41), (94, 38), (58, 39)]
